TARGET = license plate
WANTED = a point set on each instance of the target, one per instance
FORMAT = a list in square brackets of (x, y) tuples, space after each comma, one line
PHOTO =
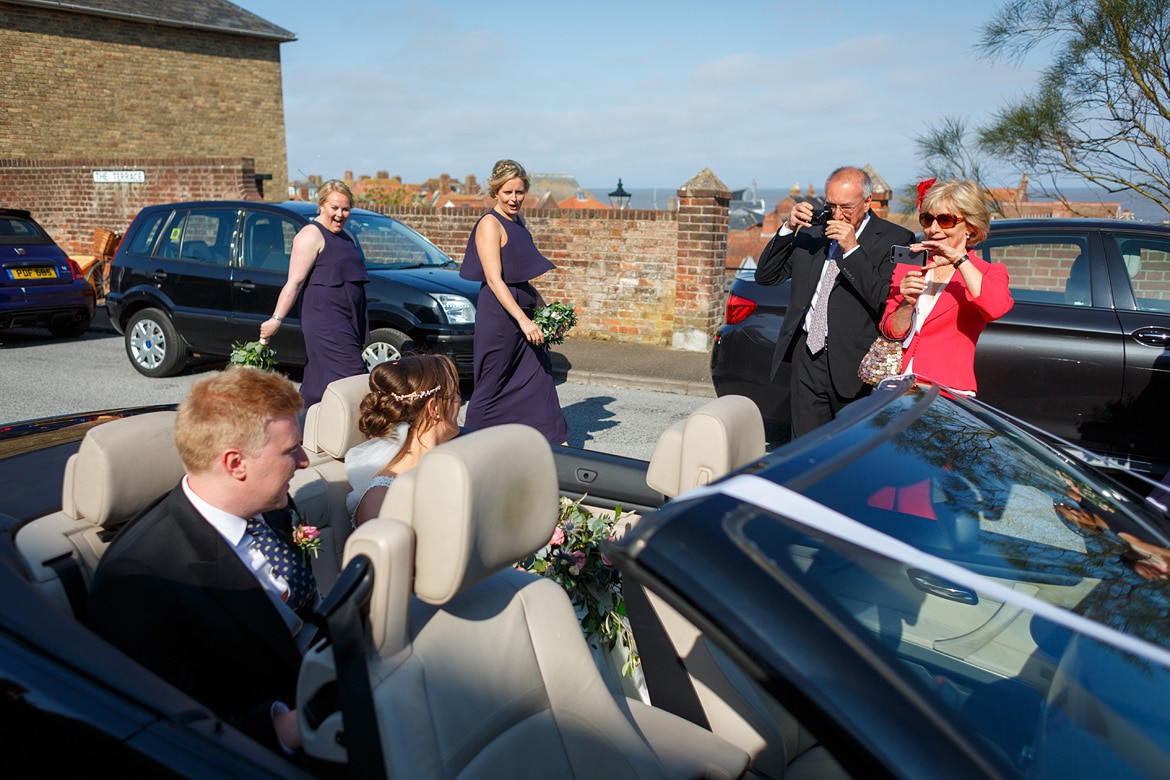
[(33, 273)]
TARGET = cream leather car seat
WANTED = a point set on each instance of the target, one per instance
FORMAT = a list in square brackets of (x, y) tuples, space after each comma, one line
[(120, 468), (479, 670), (330, 431), (714, 440)]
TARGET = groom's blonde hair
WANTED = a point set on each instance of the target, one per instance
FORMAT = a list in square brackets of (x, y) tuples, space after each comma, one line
[(231, 409)]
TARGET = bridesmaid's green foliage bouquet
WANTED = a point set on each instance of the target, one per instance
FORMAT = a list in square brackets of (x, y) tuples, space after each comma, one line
[(253, 354), (554, 321)]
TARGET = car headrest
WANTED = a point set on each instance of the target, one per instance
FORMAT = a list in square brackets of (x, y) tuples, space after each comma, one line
[(331, 424), (477, 504), (121, 467), (714, 440)]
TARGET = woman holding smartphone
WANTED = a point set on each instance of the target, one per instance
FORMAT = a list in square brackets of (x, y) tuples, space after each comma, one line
[(940, 309)]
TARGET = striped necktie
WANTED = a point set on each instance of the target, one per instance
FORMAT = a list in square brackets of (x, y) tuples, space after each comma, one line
[(818, 327)]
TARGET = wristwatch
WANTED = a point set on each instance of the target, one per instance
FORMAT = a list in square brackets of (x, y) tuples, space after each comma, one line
[(960, 261)]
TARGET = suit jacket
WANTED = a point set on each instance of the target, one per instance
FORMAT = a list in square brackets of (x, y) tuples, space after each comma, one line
[(171, 593), (943, 347), (856, 300)]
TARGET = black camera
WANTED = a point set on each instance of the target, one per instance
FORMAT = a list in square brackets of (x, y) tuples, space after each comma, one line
[(822, 216)]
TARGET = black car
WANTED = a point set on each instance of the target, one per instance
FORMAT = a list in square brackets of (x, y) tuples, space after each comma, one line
[(918, 589), (197, 277), (1083, 353), (40, 286)]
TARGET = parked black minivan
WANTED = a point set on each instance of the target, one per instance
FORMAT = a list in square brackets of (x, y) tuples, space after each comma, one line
[(192, 278)]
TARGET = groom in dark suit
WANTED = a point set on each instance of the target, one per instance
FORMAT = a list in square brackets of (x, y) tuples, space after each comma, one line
[(840, 280), (197, 588)]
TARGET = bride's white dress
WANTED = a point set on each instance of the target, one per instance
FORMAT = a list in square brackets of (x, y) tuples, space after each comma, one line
[(363, 462)]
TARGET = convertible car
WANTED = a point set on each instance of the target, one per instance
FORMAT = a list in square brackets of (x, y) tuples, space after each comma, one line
[(922, 588)]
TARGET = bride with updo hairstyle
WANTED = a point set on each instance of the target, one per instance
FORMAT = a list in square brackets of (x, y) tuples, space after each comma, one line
[(412, 407)]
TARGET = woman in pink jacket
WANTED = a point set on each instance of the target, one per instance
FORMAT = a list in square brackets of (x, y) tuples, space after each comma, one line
[(938, 311)]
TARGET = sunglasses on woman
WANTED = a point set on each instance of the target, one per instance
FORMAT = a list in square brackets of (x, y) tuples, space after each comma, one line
[(945, 221)]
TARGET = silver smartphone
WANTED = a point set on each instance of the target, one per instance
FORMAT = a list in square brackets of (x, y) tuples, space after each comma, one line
[(902, 254)]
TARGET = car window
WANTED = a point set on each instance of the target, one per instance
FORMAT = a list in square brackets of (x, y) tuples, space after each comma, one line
[(267, 241), (1147, 263), (204, 236), (1043, 269), (147, 234), (14, 230), (388, 243)]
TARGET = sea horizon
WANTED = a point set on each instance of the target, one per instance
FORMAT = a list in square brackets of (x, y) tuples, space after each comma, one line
[(658, 198)]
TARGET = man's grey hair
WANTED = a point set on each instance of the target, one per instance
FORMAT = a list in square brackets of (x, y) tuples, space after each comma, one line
[(853, 172)]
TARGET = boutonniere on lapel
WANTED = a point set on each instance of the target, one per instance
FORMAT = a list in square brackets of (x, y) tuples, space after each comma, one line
[(306, 537)]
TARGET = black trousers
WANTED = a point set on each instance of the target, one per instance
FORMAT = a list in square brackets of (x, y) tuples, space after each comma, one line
[(813, 398)]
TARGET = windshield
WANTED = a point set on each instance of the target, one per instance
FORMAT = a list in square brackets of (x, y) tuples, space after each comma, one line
[(387, 243)]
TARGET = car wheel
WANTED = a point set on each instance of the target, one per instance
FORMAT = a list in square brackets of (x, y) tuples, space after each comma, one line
[(153, 345), (97, 277), (69, 329), (385, 344)]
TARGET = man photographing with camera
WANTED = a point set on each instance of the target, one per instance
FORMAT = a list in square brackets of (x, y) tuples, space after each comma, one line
[(838, 259)]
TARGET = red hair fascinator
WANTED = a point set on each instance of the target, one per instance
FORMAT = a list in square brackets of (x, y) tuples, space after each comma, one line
[(924, 187)]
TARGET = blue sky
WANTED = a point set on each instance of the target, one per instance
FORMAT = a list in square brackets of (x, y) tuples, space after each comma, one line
[(652, 92)]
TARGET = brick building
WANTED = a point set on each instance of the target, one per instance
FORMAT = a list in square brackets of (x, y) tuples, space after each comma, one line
[(154, 88)]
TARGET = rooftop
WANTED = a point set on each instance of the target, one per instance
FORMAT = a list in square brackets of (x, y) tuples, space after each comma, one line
[(214, 15)]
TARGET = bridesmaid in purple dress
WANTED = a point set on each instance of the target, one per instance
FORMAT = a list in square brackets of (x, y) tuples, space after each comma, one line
[(327, 263), (513, 372)]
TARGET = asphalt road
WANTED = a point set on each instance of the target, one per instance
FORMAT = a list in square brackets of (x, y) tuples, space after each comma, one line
[(42, 376)]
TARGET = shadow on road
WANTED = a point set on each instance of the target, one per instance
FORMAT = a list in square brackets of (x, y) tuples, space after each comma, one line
[(588, 417)]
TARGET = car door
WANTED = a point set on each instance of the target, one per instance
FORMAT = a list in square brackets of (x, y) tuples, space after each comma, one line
[(1139, 266), (258, 277), (191, 267), (1056, 359)]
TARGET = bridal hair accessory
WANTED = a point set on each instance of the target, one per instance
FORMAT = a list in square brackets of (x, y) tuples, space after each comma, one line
[(417, 395)]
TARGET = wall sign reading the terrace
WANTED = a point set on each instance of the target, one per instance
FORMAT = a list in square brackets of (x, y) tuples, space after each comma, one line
[(119, 177)]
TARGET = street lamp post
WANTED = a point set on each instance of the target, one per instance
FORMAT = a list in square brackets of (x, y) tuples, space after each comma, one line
[(619, 198)]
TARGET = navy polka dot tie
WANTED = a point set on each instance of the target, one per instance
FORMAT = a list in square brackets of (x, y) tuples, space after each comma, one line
[(288, 563)]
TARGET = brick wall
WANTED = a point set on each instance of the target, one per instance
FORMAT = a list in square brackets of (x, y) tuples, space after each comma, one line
[(651, 277), (62, 195), (76, 85)]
